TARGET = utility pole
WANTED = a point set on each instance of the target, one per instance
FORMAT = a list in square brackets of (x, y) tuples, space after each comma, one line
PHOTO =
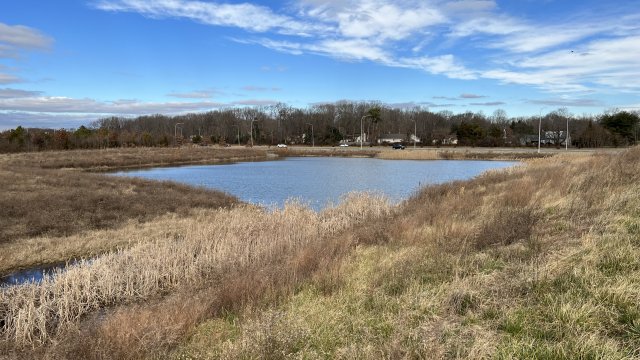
[(540, 127)]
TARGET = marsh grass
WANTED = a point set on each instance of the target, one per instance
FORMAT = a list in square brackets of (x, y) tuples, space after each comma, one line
[(459, 154), (36, 202), (48, 211), (534, 261), (120, 158), (540, 261), (216, 242)]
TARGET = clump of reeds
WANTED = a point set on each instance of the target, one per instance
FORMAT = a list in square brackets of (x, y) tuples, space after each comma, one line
[(215, 242)]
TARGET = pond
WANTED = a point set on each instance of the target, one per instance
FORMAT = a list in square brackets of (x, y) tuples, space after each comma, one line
[(319, 181), (316, 181)]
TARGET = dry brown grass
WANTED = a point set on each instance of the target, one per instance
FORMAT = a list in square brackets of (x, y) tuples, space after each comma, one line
[(531, 262), (327, 151), (47, 213), (536, 261), (215, 243), (37, 202), (120, 158), (459, 154)]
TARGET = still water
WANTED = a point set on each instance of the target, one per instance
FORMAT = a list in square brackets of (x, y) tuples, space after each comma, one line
[(314, 181), (319, 181)]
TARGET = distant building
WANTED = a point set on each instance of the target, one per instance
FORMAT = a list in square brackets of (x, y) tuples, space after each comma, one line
[(546, 138), (364, 138), (448, 140), (391, 138)]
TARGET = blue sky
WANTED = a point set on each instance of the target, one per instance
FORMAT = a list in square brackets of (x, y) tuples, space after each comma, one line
[(65, 63)]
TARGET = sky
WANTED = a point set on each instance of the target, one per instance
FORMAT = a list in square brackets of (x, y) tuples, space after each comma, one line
[(65, 63)]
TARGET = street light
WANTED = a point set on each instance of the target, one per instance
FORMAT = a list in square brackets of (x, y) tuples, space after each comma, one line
[(175, 131), (566, 137), (313, 141), (361, 128), (540, 126)]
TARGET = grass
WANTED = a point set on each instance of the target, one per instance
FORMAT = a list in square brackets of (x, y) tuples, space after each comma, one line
[(238, 239), (49, 212), (121, 158), (453, 281), (461, 154), (536, 261)]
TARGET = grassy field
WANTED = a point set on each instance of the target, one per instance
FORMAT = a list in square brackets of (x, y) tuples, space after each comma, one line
[(537, 261), (48, 210), (122, 158), (433, 153)]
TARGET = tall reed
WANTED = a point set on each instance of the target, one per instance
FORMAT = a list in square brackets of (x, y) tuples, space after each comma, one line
[(215, 241)]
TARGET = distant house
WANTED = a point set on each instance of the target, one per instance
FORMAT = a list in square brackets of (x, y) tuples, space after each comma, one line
[(448, 140), (364, 138), (546, 138), (391, 138)]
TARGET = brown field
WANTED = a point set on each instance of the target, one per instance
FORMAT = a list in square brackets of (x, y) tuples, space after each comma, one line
[(537, 261), (121, 158), (433, 153), (43, 200)]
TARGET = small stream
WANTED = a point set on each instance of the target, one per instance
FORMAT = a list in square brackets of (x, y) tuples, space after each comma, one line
[(34, 275)]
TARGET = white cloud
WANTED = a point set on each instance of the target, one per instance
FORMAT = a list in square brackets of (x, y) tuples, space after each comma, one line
[(384, 20), (8, 93), (9, 79), (14, 40), (18, 37), (610, 63), (464, 39), (245, 16), (489, 103), (55, 104), (442, 65), (260, 88), (471, 96), (198, 94)]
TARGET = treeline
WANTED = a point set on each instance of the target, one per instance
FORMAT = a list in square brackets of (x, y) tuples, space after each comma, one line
[(329, 124)]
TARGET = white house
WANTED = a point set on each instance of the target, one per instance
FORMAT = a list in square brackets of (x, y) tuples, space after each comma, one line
[(391, 138)]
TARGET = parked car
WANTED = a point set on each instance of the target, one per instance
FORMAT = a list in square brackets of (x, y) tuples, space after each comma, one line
[(344, 145), (397, 146), (282, 145)]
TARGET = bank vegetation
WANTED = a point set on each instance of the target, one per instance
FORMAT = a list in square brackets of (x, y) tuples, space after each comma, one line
[(541, 260)]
